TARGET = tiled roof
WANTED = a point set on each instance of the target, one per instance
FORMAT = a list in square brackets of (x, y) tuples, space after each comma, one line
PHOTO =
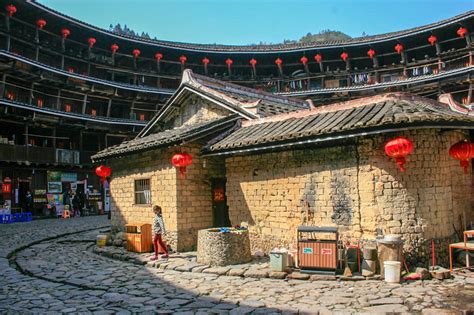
[(342, 120), (267, 104), (266, 48), (165, 138), (247, 102)]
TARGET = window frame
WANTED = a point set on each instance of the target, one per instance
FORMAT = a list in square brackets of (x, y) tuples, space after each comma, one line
[(135, 192)]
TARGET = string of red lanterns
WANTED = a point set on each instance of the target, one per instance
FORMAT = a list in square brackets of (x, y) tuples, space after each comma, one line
[(462, 31), (114, 48), (371, 53), (91, 41), (432, 40), (65, 32), (11, 9), (181, 161), (136, 53), (398, 149), (41, 23), (103, 172), (158, 57), (464, 152), (399, 48)]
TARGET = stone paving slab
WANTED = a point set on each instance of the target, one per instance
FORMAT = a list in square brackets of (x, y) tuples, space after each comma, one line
[(76, 280)]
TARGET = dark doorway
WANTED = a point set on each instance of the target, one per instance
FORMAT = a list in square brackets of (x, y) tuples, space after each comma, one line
[(23, 188), (220, 210)]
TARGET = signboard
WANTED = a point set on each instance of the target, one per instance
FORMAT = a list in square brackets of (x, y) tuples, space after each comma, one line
[(7, 188), (54, 176), (218, 194), (68, 177), (55, 187), (326, 251), (307, 250)]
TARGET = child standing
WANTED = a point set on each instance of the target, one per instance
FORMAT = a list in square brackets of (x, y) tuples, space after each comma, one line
[(158, 229)]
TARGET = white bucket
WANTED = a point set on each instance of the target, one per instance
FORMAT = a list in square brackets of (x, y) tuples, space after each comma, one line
[(392, 271)]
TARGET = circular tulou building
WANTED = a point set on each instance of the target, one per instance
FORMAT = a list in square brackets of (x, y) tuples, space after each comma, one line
[(279, 135)]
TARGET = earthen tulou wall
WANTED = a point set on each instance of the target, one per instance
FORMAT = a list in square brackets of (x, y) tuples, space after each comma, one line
[(357, 188)]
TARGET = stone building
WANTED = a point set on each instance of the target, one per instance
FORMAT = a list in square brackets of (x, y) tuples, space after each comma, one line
[(282, 163)]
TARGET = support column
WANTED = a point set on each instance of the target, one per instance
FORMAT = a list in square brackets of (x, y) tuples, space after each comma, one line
[(84, 104), (26, 134), (469, 94), (30, 97), (58, 100), (132, 108), (2, 86), (109, 107)]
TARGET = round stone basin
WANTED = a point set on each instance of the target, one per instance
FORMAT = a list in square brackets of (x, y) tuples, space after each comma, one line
[(217, 248)]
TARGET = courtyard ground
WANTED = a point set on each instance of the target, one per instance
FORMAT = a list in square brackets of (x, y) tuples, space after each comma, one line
[(48, 266)]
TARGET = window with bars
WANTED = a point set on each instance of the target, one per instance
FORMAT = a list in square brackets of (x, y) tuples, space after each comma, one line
[(142, 192)]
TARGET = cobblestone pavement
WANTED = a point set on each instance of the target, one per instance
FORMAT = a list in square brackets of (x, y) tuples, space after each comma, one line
[(64, 275)]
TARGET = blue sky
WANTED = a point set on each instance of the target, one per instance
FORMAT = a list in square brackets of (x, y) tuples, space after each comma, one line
[(251, 21)]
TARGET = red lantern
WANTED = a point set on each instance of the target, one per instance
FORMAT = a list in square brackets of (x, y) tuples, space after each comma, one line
[(158, 57), (11, 9), (253, 62), (91, 41), (432, 40), (304, 60), (183, 59), (65, 32), (399, 48), (318, 58), (464, 152), (181, 161), (278, 62), (40, 102), (205, 61), (136, 53), (371, 53), (229, 62), (94, 112), (398, 149), (68, 108), (114, 48), (461, 32), (41, 23), (103, 172), (344, 56)]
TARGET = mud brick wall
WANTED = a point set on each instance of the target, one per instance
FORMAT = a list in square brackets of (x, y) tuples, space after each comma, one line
[(186, 202), (355, 187)]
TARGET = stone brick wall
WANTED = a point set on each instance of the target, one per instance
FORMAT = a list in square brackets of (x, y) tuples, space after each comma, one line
[(186, 202), (156, 166), (355, 187)]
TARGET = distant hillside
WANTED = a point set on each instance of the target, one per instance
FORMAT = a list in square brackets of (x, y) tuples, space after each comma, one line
[(323, 36)]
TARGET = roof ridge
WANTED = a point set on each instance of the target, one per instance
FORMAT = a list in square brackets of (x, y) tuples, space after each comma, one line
[(263, 48), (346, 105)]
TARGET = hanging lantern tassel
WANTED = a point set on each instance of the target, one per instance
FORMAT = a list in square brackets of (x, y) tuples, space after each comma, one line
[(398, 149), (181, 161), (464, 152)]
